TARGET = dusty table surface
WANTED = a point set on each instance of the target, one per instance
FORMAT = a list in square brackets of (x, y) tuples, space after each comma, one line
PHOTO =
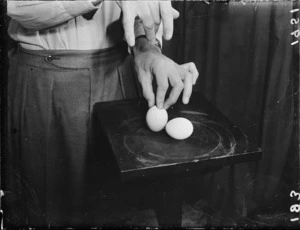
[(137, 152)]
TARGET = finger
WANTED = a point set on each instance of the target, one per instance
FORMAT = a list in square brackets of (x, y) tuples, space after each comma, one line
[(146, 83), (148, 24), (166, 13), (177, 87), (149, 28), (188, 88), (162, 87), (155, 15), (191, 67), (175, 14), (154, 9), (128, 25)]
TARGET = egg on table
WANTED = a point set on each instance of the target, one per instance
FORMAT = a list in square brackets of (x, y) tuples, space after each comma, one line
[(156, 118), (179, 128)]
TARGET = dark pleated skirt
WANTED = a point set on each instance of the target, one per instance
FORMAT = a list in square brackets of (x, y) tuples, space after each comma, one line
[(51, 96)]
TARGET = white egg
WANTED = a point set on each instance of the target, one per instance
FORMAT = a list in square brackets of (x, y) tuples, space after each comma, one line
[(179, 128), (156, 118)]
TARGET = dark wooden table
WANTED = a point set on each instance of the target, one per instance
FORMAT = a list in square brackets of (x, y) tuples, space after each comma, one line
[(128, 153)]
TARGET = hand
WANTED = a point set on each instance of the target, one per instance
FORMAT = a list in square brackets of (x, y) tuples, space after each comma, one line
[(150, 64), (151, 13)]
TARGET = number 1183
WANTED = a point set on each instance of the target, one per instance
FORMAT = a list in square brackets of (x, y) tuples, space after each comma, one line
[(295, 207)]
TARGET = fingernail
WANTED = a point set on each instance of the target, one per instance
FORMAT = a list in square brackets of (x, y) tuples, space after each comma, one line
[(185, 100), (150, 103)]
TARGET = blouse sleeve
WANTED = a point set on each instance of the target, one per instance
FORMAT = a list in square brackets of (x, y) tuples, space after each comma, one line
[(39, 15)]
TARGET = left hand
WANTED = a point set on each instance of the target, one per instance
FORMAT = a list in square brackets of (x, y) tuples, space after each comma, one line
[(150, 63), (151, 13)]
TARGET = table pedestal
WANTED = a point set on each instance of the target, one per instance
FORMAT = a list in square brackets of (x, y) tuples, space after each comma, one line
[(169, 207), (135, 154)]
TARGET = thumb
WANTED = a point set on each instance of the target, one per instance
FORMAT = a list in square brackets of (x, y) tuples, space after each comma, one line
[(175, 13), (128, 25)]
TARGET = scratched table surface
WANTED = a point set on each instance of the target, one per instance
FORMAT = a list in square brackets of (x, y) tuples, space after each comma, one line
[(140, 153)]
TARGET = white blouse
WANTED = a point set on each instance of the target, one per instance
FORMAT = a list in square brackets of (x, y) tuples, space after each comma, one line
[(40, 25)]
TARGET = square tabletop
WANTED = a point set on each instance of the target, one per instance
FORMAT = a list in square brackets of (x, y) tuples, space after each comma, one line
[(140, 153)]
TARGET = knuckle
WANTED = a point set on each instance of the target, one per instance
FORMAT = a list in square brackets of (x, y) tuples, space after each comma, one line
[(148, 24), (189, 75), (158, 63), (186, 73), (172, 100), (180, 86), (163, 87)]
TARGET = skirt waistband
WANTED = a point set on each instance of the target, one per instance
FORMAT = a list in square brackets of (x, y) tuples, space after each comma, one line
[(73, 59)]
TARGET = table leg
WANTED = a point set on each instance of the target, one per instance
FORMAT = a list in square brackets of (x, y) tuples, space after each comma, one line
[(231, 215), (169, 208)]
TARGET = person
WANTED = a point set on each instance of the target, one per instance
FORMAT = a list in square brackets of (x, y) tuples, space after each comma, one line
[(70, 55)]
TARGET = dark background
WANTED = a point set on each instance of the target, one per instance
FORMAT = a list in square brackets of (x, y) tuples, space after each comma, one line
[(249, 70)]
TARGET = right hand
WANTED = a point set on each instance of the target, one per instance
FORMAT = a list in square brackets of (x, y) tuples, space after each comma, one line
[(151, 64)]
